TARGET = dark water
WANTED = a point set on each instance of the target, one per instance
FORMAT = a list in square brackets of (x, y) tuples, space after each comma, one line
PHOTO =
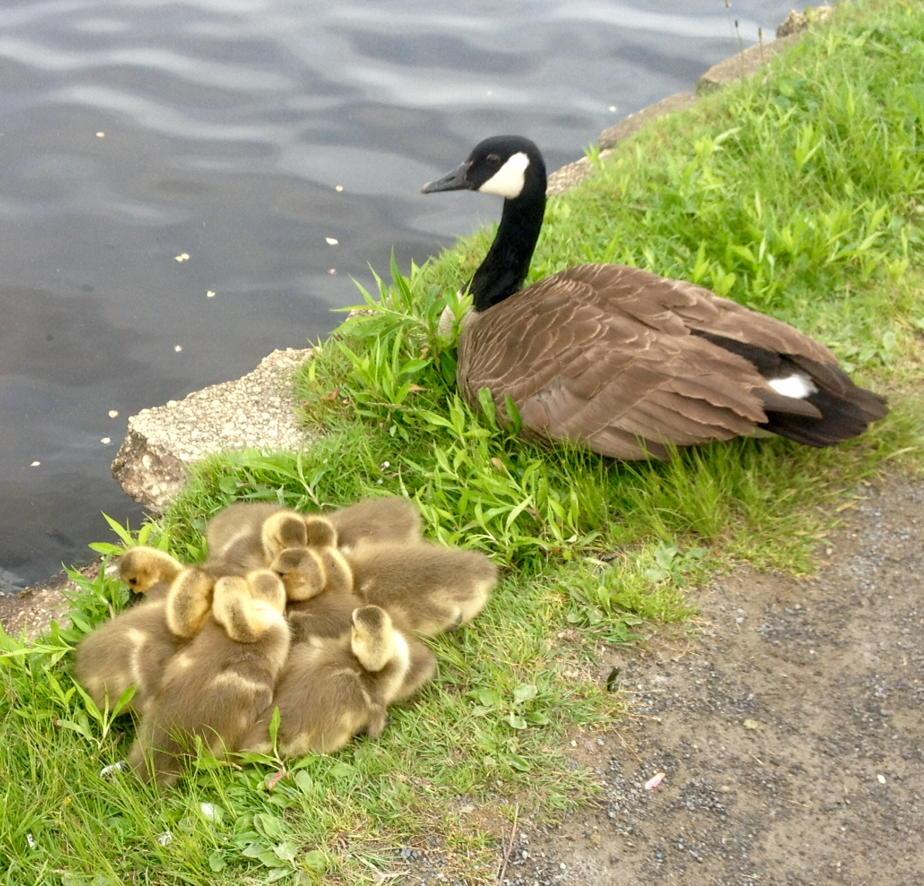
[(226, 125)]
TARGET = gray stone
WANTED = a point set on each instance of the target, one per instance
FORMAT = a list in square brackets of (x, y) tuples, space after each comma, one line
[(635, 122), (742, 65), (256, 411)]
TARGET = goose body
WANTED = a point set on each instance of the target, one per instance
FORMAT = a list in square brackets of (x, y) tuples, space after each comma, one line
[(627, 362)]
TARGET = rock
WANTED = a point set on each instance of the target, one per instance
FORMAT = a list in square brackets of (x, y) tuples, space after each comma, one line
[(743, 64), (571, 174), (29, 614), (634, 122), (256, 411), (799, 21)]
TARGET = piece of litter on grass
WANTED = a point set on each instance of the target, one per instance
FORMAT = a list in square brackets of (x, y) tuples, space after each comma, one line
[(105, 440), (112, 768), (35, 464), (274, 778), (165, 839), (751, 724), (111, 569), (183, 256), (210, 294), (210, 811), (113, 413), (654, 781), (880, 778), (338, 188), (331, 241), (100, 134), (178, 348), (31, 841)]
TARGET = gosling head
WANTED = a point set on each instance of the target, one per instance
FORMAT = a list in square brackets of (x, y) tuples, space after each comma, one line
[(301, 571), (285, 529), (141, 568), (507, 165), (321, 532), (267, 587), (372, 638)]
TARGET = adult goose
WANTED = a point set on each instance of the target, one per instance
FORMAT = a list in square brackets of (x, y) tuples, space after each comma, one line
[(622, 360)]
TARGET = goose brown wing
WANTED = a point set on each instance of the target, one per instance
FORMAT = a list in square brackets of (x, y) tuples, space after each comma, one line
[(604, 354)]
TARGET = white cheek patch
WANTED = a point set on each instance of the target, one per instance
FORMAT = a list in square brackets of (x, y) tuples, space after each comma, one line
[(798, 386), (508, 180)]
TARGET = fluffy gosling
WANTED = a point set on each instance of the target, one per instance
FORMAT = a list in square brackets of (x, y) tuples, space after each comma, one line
[(426, 588), (222, 681)]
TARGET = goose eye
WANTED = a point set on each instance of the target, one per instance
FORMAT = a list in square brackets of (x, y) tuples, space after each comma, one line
[(493, 159)]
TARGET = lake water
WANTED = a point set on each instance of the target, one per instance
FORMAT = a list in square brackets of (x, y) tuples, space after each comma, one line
[(135, 131)]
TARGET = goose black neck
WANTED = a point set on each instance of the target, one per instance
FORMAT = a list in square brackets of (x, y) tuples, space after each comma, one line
[(504, 268)]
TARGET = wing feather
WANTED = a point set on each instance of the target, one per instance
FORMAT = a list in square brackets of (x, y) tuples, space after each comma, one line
[(605, 354)]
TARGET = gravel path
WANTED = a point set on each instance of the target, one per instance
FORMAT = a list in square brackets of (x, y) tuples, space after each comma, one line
[(789, 730)]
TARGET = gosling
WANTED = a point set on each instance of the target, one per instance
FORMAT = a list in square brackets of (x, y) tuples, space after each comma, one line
[(332, 689), (133, 648), (248, 535), (426, 588), (391, 519), (221, 682), (319, 588)]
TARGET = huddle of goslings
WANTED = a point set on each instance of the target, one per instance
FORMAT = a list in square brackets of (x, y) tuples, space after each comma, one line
[(314, 616)]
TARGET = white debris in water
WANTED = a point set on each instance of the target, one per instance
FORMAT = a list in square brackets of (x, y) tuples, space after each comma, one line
[(100, 134), (183, 256), (338, 188), (105, 440), (35, 464), (331, 241), (210, 294), (332, 271), (113, 413), (178, 348), (612, 109)]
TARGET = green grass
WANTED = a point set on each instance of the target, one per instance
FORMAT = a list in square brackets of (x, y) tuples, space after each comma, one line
[(801, 194)]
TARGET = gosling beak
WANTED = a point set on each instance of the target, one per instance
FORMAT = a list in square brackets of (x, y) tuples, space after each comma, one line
[(454, 181)]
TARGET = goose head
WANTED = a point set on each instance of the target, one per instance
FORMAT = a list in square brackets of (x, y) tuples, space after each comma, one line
[(509, 166)]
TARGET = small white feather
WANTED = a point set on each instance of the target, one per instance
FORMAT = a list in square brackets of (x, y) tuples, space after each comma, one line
[(509, 179), (798, 386)]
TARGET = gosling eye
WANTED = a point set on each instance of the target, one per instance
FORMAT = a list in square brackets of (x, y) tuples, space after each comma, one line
[(133, 581)]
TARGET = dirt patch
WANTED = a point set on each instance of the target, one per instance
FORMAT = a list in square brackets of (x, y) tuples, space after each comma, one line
[(789, 730)]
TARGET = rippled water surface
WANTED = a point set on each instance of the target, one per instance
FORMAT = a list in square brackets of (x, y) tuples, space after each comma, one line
[(133, 131)]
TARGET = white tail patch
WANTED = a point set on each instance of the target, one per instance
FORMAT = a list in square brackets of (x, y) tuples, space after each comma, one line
[(509, 179), (798, 385)]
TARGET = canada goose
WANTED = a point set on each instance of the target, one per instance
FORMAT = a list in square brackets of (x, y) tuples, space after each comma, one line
[(319, 587), (376, 519), (218, 685), (334, 688), (307, 571), (133, 648), (426, 588), (247, 535), (622, 360), (148, 571)]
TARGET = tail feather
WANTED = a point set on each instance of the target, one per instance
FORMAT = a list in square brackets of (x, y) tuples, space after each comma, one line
[(841, 417)]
